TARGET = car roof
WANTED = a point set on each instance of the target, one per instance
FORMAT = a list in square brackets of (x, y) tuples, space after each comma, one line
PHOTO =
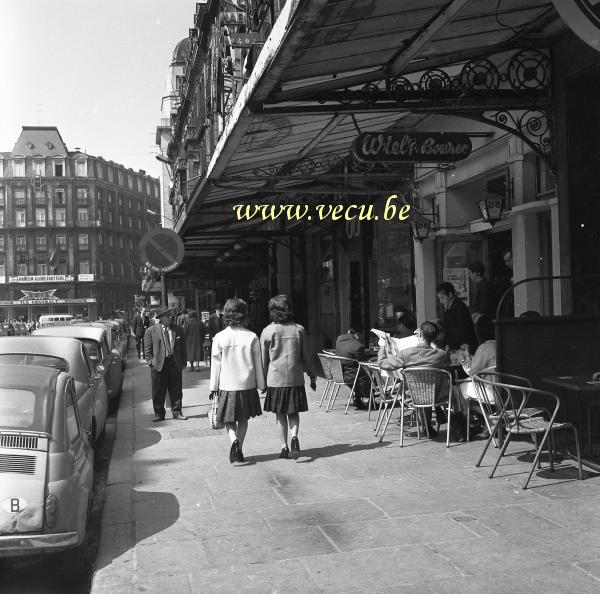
[(39, 380), (75, 331)]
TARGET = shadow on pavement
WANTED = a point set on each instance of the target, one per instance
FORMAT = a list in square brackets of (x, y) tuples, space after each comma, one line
[(312, 454)]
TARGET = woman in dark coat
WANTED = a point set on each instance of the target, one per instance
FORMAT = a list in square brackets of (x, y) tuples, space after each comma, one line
[(194, 339)]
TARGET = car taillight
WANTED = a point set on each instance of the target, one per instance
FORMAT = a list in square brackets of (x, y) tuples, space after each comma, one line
[(51, 510)]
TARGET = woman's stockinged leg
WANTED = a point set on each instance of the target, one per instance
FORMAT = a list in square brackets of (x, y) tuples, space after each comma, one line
[(232, 431), (294, 421), (282, 428), (242, 427)]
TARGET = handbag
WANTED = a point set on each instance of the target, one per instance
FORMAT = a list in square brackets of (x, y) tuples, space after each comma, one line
[(212, 416)]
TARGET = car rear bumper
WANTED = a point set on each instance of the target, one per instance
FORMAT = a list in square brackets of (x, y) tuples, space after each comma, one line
[(16, 545)]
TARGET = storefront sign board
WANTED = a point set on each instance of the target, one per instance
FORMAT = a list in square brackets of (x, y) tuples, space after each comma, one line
[(459, 278), (52, 278), (437, 147)]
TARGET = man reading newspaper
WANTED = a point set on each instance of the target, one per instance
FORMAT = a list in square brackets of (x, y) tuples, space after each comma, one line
[(423, 354)]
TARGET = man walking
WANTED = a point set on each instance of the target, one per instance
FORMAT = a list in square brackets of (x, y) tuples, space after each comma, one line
[(138, 328), (166, 355), (215, 321)]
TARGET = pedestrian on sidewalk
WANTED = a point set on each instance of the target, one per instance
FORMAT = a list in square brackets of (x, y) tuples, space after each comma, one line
[(166, 355), (236, 375), (285, 359), (194, 340), (138, 328), (215, 321)]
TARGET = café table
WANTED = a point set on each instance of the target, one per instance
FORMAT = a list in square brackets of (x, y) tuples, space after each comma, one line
[(584, 390)]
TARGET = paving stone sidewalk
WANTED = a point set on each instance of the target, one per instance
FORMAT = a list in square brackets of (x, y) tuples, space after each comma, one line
[(349, 515)]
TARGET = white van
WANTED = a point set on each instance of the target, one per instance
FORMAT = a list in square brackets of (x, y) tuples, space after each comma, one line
[(54, 320)]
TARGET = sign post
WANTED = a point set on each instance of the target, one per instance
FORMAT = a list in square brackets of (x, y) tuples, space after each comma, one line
[(162, 250)]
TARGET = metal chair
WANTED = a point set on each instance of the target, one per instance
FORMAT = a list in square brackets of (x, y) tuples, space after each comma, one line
[(337, 376), (422, 384), (511, 402), (392, 394), (370, 369), (324, 359)]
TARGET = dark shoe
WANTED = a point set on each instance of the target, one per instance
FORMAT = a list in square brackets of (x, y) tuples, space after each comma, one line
[(433, 432), (295, 445), (441, 416), (158, 418), (240, 455), (358, 404), (284, 453), (233, 452), (179, 417)]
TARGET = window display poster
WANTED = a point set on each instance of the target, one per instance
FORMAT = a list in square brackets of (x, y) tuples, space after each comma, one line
[(459, 277)]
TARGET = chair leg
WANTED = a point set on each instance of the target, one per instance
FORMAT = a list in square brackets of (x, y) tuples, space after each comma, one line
[(538, 453), (371, 401), (348, 403), (402, 422), (493, 431), (468, 420), (589, 429), (387, 420), (504, 446), (578, 450), (327, 386), (335, 390)]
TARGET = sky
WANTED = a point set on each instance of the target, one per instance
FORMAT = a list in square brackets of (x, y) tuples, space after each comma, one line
[(95, 69)]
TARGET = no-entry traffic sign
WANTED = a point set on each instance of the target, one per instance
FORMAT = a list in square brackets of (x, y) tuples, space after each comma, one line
[(162, 249)]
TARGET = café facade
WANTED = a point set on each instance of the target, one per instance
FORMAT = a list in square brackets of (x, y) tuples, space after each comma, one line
[(478, 118)]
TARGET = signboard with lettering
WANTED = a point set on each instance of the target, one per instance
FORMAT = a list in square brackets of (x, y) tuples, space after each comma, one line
[(245, 39), (438, 147), (85, 278), (49, 301), (52, 278)]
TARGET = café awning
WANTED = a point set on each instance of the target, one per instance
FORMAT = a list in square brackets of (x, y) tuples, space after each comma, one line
[(332, 69)]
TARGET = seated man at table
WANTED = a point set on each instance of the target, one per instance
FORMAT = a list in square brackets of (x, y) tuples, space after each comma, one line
[(421, 355), (349, 345)]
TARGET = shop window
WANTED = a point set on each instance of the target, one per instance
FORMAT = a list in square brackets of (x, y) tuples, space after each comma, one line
[(19, 168), (393, 255), (20, 196), (20, 218), (40, 217)]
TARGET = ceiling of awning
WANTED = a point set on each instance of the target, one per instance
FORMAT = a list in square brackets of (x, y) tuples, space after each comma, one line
[(328, 45)]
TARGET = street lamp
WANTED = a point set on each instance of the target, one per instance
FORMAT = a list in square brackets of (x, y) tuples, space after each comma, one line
[(491, 209), (420, 228)]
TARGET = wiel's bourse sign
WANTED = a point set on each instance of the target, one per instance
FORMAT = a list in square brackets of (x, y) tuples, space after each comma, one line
[(438, 147)]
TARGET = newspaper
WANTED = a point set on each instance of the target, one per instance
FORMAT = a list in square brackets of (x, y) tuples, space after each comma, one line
[(390, 345)]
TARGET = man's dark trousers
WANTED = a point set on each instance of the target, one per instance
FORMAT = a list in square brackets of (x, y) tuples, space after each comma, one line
[(168, 378)]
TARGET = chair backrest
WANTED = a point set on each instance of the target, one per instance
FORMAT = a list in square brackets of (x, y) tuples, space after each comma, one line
[(423, 382), (326, 365), (337, 371), (512, 393)]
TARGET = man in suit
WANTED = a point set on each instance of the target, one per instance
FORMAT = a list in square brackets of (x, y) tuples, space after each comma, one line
[(138, 329), (348, 345), (166, 355), (215, 321)]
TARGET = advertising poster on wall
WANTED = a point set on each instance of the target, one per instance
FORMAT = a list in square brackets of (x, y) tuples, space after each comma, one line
[(459, 277)]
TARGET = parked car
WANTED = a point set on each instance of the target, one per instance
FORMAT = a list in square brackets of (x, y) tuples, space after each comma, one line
[(105, 361), (118, 340), (66, 354), (46, 475)]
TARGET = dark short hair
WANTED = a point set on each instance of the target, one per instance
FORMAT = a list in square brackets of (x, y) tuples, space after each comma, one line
[(447, 288), (408, 321), (429, 331), (477, 268), (356, 327), (235, 312), (280, 309)]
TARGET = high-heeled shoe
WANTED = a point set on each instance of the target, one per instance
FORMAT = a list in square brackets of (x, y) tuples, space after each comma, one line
[(295, 446), (233, 452), (284, 453)]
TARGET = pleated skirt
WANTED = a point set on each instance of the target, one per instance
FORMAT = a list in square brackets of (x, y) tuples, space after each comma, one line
[(288, 400), (239, 405)]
